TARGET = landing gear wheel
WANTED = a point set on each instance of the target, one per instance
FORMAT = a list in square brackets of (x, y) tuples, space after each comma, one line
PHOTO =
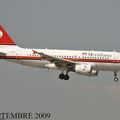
[(116, 79), (66, 77), (61, 76)]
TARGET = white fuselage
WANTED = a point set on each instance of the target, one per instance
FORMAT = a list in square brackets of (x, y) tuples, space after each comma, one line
[(99, 60)]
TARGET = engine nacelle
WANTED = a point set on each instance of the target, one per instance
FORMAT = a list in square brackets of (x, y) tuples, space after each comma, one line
[(51, 65), (85, 69)]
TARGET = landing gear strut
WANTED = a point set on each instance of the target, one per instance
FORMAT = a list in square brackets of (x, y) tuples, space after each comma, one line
[(64, 76), (115, 77)]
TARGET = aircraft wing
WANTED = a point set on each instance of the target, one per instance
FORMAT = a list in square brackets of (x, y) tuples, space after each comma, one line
[(2, 54), (59, 62)]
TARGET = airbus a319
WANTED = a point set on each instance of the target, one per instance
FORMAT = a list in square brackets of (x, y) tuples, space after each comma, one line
[(87, 63)]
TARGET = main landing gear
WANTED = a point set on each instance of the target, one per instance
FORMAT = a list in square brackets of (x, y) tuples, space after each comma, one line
[(64, 76), (115, 77)]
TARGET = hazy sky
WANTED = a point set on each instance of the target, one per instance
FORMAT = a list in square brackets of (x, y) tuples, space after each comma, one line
[(62, 24)]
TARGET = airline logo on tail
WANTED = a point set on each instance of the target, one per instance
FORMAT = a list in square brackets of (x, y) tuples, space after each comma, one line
[(1, 34), (5, 39)]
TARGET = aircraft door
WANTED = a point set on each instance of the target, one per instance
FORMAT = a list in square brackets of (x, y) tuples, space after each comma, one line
[(18, 54), (116, 57)]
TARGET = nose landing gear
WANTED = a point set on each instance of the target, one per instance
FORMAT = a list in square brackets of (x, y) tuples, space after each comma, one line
[(115, 77)]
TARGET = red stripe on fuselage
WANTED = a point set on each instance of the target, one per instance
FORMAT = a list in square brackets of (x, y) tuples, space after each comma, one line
[(72, 59)]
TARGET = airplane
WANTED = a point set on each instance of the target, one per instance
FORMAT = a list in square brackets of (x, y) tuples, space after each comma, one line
[(82, 62)]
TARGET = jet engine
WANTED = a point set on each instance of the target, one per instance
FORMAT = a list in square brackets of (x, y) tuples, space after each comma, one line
[(86, 70)]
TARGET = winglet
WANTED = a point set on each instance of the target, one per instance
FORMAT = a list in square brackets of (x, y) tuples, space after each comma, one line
[(34, 52)]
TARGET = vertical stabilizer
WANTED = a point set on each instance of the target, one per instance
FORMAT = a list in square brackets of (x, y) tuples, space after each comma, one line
[(5, 39)]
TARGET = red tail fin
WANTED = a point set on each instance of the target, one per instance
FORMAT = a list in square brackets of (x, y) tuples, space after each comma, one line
[(5, 39)]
